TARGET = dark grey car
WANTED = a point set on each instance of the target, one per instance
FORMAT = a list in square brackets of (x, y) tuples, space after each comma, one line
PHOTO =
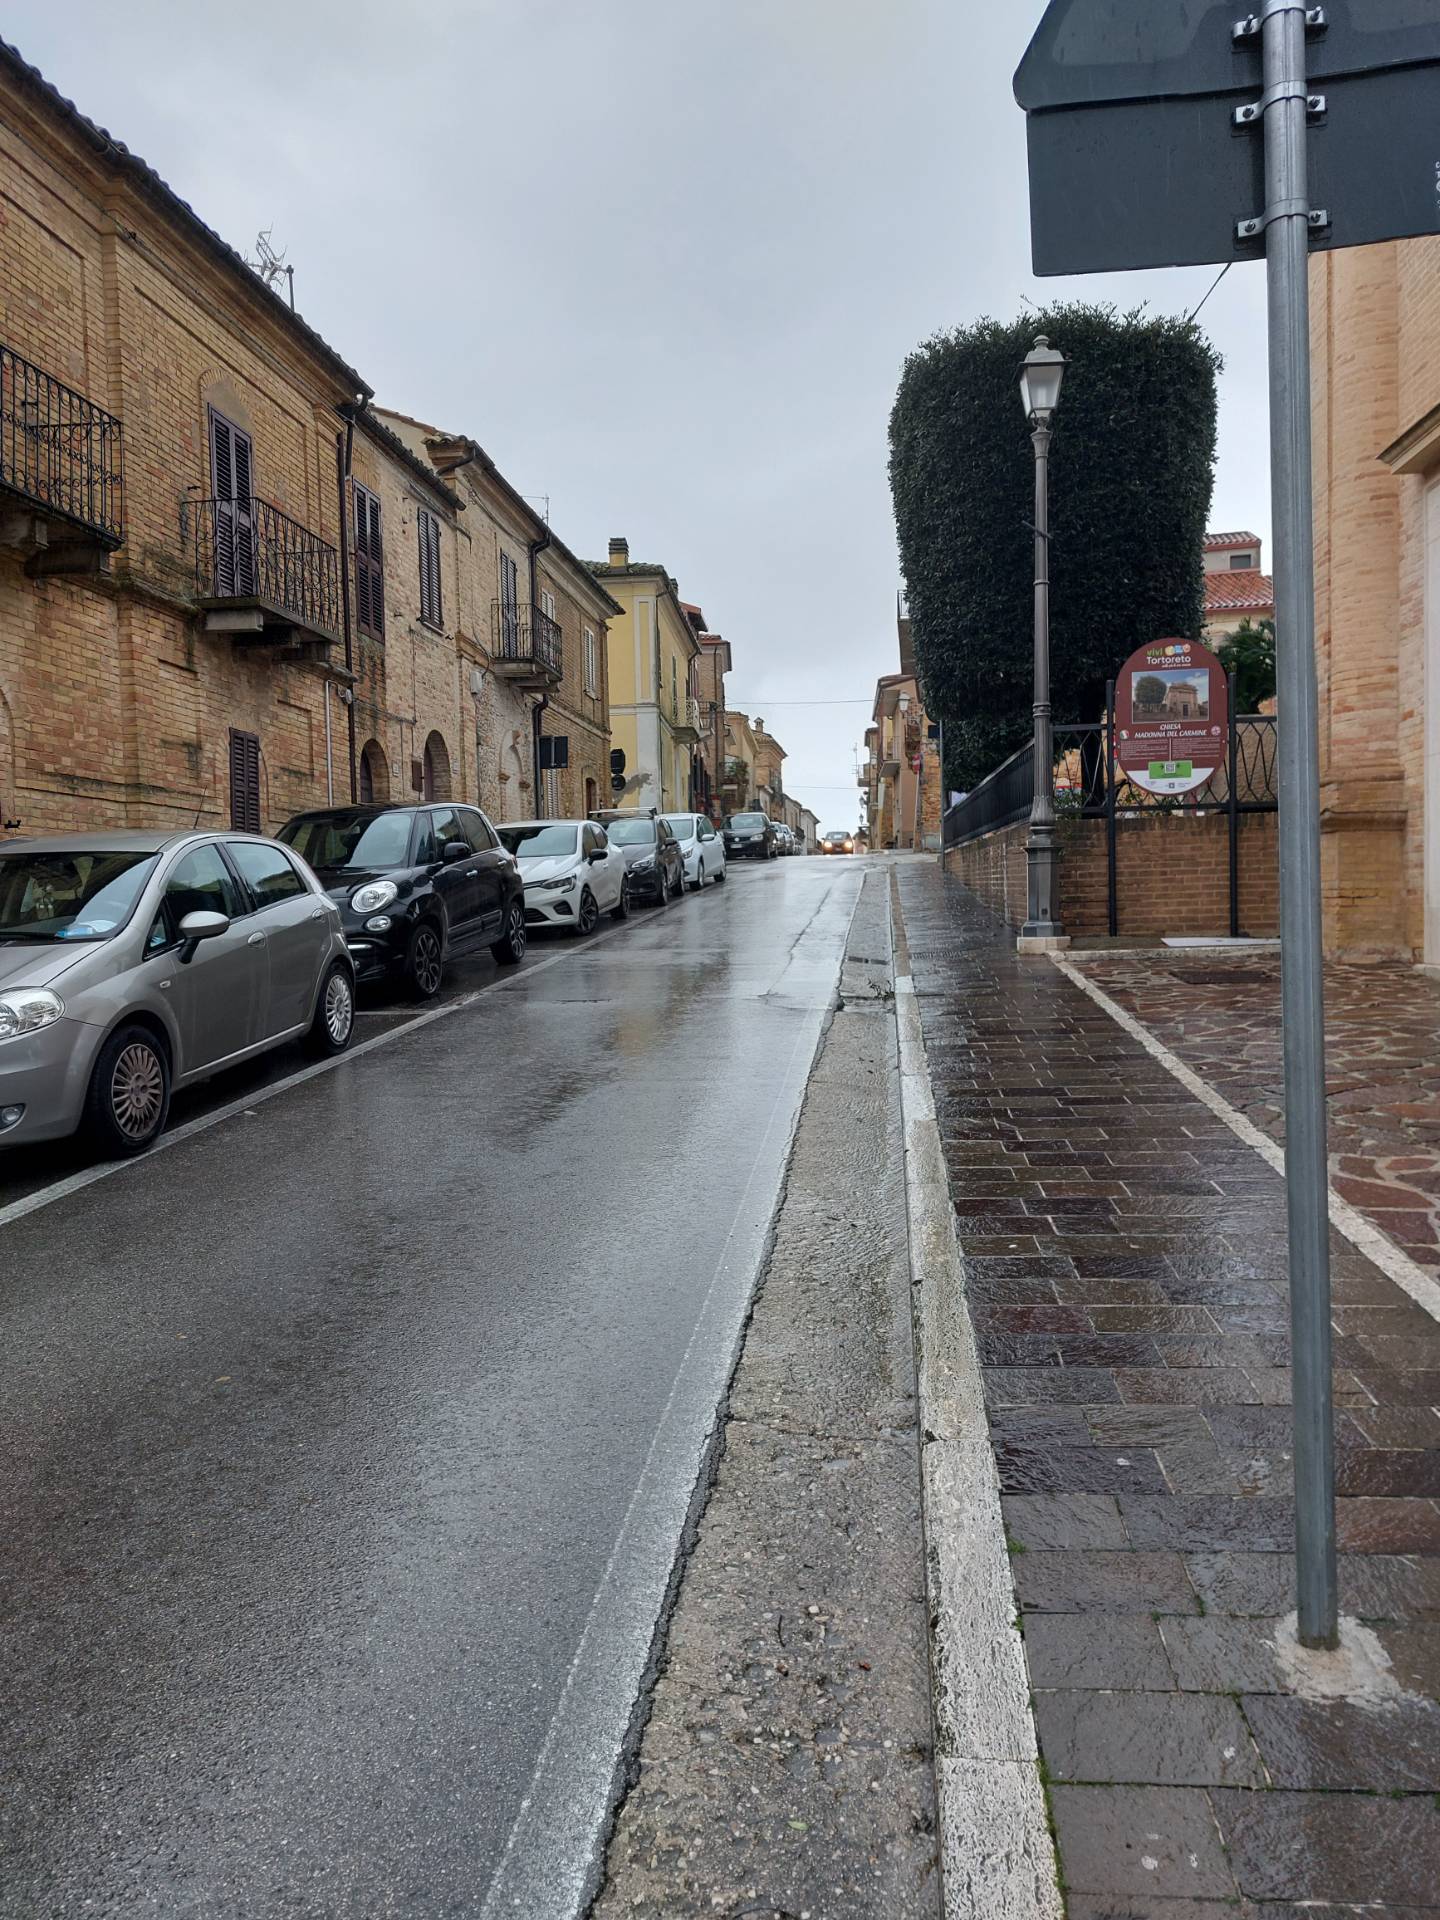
[(135, 963)]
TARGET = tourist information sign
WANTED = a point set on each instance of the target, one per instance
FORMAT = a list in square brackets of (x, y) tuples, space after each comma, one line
[(1168, 134), (1171, 716)]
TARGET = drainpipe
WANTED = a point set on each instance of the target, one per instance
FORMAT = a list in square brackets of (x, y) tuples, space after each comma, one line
[(537, 547), (344, 448)]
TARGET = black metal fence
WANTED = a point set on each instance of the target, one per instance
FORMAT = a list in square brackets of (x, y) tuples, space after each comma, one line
[(1089, 786), (247, 549), (59, 449), (527, 635)]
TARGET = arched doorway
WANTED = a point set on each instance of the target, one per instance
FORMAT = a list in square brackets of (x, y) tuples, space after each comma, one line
[(592, 796), (436, 770), (374, 774)]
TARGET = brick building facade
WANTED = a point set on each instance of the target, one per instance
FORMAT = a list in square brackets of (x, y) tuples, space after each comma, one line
[(1375, 334), (229, 590)]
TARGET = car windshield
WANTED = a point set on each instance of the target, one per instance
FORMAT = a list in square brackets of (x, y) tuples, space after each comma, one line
[(746, 820), (75, 895), (682, 825), (630, 833), (368, 840), (539, 843)]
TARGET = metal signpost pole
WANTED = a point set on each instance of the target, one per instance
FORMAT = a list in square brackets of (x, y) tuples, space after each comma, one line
[(1287, 247)]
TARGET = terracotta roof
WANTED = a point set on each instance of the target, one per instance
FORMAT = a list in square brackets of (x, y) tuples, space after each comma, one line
[(1219, 542), (131, 167), (1241, 592)]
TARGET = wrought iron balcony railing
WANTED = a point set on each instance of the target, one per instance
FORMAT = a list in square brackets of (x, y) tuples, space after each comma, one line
[(58, 450), (250, 554), (527, 639)]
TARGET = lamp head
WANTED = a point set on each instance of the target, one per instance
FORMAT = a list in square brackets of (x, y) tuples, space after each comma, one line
[(1040, 377)]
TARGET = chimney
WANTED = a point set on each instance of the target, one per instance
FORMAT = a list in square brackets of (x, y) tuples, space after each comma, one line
[(759, 724), (619, 550)]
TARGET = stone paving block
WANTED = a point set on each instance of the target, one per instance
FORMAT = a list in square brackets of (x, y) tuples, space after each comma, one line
[(1209, 1525), (1394, 1473), (1086, 1582), (1030, 1386), (1388, 1526), (1186, 1387), (1032, 1317), (1146, 1739), (1341, 1745), (1144, 1843), (1372, 1586), (1124, 1652), (1087, 1469), (1081, 1291), (1111, 1907), (1059, 1522), (1014, 1266), (1220, 1655), (1019, 1350), (1414, 1427), (1414, 1653), (1332, 1846), (1109, 1350), (1040, 1426)]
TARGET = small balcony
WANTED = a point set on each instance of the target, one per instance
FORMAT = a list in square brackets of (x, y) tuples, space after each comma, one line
[(60, 472), (526, 646), (263, 578), (688, 727), (890, 765)]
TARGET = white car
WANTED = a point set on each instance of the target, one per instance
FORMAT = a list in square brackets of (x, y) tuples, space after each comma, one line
[(571, 872), (701, 848)]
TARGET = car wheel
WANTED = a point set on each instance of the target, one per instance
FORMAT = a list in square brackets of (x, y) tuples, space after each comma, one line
[(424, 962), (333, 1027), (129, 1096), (621, 909), (720, 878), (677, 885), (699, 881), (589, 917), (509, 949)]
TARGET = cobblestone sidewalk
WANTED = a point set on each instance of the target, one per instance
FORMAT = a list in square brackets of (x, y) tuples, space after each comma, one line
[(1125, 1259), (1221, 1014)]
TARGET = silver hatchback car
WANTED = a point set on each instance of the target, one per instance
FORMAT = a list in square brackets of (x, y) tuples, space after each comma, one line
[(135, 963)]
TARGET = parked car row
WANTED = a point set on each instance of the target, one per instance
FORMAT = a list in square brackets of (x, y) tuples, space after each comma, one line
[(133, 964)]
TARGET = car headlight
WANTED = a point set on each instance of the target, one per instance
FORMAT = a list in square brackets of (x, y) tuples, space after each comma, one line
[(27, 1010), (644, 866), (371, 898), (565, 884)]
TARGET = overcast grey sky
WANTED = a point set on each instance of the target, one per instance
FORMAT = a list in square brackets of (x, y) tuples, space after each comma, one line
[(663, 258)]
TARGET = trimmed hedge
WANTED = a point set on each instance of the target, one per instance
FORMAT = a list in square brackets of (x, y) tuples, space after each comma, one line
[(1131, 472)]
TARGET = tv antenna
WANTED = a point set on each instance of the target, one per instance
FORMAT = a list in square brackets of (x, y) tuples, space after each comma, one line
[(270, 264)]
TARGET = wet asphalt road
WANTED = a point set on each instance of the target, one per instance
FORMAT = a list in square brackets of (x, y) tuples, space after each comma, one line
[(345, 1444)]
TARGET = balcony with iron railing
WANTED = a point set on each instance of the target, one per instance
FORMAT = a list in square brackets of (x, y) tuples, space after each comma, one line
[(261, 576), (526, 645), (689, 724), (60, 458)]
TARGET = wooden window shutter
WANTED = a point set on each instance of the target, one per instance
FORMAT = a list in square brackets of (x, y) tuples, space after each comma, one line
[(369, 564), (231, 473), (244, 781), (430, 602)]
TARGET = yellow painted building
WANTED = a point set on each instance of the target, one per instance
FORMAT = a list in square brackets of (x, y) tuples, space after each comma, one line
[(654, 713)]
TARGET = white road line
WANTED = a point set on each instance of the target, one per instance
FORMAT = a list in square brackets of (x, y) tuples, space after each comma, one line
[(550, 1858), (996, 1854), (1407, 1274), (176, 1136)]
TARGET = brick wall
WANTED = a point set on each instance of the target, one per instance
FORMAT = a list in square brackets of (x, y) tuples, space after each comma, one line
[(1172, 875)]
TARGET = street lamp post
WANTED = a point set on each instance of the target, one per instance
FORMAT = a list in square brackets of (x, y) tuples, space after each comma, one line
[(1040, 379)]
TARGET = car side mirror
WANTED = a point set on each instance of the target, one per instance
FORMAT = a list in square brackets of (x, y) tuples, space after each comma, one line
[(199, 926), (595, 855), (454, 850)]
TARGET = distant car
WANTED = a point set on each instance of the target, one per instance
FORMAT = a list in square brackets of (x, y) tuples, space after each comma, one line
[(652, 853), (571, 872), (135, 963), (701, 848), (750, 836), (415, 886), (837, 840)]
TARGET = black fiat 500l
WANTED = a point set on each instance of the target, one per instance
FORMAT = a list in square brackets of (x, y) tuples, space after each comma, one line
[(415, 885)]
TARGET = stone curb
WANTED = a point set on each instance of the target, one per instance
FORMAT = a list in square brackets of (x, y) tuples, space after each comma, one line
[(997, 1856)]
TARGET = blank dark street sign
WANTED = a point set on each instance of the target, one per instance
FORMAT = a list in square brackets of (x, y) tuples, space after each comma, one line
[(1135, 160)]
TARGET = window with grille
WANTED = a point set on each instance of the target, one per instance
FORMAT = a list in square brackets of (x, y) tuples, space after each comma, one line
[(369, 564), (431, 610), (244, 781), (592, 664)]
